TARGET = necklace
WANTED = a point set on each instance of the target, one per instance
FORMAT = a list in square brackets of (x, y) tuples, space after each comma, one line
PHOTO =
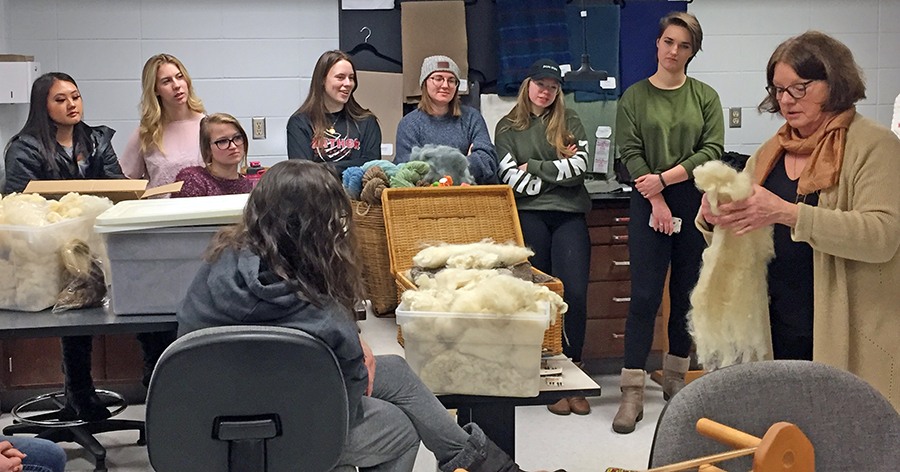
[(331, 129)]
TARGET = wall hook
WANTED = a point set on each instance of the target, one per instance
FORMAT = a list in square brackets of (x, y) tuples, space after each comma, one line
[(364, 28)]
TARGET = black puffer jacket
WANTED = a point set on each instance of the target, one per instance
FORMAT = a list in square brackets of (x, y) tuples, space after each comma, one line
[(24, 161)]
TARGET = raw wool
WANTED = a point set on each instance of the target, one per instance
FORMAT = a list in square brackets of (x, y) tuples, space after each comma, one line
[(443, 160), (481, 255), (729, 317), (471, 354), (30, 268), (479, 291)]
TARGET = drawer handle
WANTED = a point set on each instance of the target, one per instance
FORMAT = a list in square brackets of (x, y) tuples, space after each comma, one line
[(621, 263), (622, 219), (620, 237), (621, 299), (618, 336)]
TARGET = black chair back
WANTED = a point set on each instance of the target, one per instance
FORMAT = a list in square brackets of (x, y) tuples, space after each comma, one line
[(242, 398)]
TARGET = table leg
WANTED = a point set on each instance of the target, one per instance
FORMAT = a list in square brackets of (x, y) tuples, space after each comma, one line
[(497, 421)]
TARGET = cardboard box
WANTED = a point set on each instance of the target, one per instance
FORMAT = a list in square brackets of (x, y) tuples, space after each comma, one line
[(430, 29), (382, 92), (116, 190), (475, 353)]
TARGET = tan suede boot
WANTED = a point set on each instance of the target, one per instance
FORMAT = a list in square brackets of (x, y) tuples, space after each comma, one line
[(674, 369), (631, 406)]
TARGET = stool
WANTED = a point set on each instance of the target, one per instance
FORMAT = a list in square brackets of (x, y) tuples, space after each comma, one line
[(48, 426)]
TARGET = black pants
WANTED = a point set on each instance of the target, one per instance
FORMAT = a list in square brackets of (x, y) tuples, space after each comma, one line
[(651, 253), (562, 248), (76, 352)]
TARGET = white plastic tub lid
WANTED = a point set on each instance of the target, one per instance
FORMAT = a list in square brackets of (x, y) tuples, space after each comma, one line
[(132, 215), (543, 315)]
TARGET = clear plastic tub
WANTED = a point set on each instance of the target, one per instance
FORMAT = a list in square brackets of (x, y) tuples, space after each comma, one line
[(30, 267), (474, 353)]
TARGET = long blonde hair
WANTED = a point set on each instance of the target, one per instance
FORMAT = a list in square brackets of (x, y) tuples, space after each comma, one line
[(558, 134), (153, 120)]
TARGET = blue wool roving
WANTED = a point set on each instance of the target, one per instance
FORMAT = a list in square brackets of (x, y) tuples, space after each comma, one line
[(352, 178), (388, 167)]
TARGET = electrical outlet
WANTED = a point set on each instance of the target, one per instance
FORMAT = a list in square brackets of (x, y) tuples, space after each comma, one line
[(734, 117), (259, 128)]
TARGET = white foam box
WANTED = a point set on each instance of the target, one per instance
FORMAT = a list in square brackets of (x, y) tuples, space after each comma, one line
[(475, 353), (30, 267), (156, 247)]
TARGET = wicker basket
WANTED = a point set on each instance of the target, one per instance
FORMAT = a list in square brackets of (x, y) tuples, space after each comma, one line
[(454, 215), (376, 259)]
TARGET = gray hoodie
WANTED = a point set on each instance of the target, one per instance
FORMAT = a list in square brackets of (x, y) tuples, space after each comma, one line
[(231, 292)]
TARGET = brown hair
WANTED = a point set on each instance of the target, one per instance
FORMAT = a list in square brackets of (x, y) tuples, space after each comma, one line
[(426, 104), (298, 220), (314, 105), (219, 118), (558, 133), (816, 56), (688, 22)]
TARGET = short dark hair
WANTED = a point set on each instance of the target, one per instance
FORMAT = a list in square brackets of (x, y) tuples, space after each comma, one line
[(298, 220), (816, 56), (688, 22)]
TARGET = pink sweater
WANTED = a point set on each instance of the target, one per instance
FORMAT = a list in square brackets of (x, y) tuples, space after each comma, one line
[(181, 141)]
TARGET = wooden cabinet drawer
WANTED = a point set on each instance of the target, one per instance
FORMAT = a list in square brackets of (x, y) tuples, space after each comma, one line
[(608, 299), (609, 263), (609, 234), (608, 216), (606, 338)]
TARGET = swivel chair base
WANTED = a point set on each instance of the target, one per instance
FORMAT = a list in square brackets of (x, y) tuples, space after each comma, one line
[(48, 425)]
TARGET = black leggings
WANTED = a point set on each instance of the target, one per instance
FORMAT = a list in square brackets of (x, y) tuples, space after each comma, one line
[(651, 254), (76, 354), (562, 248)]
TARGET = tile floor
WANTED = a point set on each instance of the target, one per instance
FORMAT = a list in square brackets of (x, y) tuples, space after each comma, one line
[(543, 440)]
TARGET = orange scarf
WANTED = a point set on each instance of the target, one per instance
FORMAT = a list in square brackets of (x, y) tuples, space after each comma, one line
[(825, 149)]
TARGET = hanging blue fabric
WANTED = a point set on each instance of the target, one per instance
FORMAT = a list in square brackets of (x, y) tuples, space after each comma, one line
[(529, 30), (602, 25), (639, 26)]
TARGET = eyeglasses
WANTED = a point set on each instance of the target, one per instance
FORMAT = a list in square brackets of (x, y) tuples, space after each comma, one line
[(225, 143), (796, 91), (439, 80), (547, 88)]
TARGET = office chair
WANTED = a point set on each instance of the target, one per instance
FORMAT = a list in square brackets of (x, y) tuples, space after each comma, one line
[(852, 427), (246, 398), (47, 425)]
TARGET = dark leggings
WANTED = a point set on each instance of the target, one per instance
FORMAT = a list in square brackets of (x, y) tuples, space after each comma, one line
[(562, 248), (651, 253), (76, 353)]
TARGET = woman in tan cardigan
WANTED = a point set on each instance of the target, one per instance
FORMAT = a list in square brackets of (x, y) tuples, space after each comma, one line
[(828, 181)]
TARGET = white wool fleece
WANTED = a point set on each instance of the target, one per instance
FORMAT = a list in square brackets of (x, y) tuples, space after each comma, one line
[(485, 254), (479, 291), (729, 317)]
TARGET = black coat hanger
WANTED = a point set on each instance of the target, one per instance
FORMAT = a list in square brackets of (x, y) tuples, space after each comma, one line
[(365, 46)]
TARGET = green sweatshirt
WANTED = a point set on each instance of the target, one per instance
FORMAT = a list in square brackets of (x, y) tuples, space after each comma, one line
[(658, 129), (549, 183)]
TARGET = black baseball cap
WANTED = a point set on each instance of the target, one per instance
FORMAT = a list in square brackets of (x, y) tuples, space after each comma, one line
[(544, 69)]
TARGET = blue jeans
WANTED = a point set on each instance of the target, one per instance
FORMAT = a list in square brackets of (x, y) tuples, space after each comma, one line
[(41, 455)]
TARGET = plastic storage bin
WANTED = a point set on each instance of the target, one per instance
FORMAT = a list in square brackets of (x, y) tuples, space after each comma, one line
[(152, 269), (30, 269), (156, 247), (475, 353)]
